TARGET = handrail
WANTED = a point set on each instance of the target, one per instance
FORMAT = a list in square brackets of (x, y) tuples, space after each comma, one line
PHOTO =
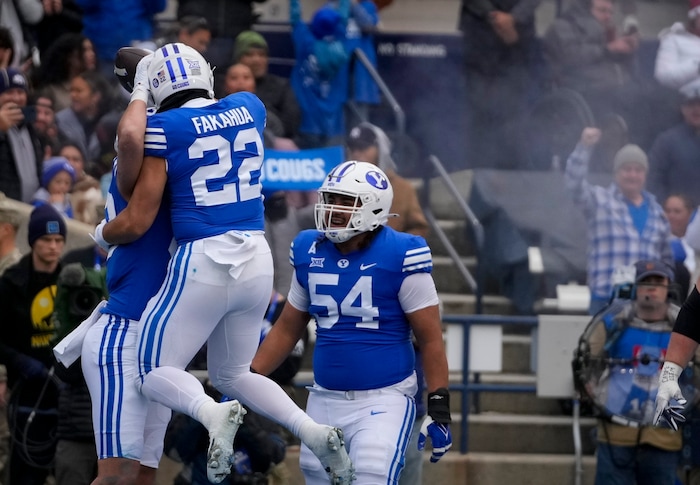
[(466, 386), (399, 114), (476, 284)]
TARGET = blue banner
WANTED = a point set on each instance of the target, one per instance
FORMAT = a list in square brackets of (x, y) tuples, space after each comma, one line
[(298, 170)]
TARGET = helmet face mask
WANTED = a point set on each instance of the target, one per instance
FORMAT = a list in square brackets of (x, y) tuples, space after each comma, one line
[(176, 68), (355, 198)]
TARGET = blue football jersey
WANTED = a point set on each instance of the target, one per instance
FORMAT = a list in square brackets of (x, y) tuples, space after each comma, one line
[(632, 388), (214, 156), (363, 339), (135, 271)]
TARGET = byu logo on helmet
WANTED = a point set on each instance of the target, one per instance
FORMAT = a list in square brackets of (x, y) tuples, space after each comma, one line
[(377, 179)]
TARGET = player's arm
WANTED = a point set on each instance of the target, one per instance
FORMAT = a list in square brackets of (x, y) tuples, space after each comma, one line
[(141, 211), (130, 139), (428, 332), (281, 339), (131, 131)]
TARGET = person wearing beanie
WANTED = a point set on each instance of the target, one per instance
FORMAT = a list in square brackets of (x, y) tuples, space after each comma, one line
[(57, 179), (274, 91), (674, 157), (626, 223), (21, 152), (27, 292)]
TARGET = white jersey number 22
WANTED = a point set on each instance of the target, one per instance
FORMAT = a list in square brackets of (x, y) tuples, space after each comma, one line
[(232, 192)]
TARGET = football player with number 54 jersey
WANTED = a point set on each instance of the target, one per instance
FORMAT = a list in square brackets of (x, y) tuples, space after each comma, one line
[(367, 287), (207, 155)]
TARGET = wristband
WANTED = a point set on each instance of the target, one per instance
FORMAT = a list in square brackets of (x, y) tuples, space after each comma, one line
[(140, 93), (439, 406), (670, 372)]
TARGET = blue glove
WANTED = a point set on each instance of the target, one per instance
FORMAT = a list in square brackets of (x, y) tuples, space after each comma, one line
[(440, 436), (30, 368)]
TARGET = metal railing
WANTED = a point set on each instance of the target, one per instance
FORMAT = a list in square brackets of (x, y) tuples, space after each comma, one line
[(399, 115), (466, 387), (475, 283)]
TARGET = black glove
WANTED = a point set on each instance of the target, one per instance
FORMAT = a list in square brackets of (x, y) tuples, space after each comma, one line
[(30, 368)]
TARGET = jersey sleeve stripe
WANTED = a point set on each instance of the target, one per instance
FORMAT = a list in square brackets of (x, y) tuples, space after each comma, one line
[(417, 258), (291, 254), (155, 138)]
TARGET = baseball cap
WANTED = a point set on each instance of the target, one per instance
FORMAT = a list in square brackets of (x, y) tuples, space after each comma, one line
[(361, 137), (646, 268), (12, 78)]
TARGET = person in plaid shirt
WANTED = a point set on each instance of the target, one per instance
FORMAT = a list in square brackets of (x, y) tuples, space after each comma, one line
[(625, 222)]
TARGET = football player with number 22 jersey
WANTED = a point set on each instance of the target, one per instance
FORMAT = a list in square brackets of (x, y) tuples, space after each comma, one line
[(207, 156), (367, 287)]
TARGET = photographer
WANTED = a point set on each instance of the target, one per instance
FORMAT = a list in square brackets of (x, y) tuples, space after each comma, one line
[(80, 288), (21, 152)]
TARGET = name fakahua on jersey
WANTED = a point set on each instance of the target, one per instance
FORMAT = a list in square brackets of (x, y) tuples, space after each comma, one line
[(218, 121)]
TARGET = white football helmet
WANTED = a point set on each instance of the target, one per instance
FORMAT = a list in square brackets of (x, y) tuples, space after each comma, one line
[(368, 185), (178, 67)]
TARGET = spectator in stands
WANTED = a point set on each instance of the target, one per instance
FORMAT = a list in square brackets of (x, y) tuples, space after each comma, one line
[(57, 179), (7, 46), (645, 455), (60, 17), (111, 25), (70, 55), (9, 256), (678, 56), (26, 332), (21, 153), (9, 225), (675, 154), (368, 143), (359, 34), (227, 19), (15, 16), (585, 50), (45, 123), (86, 195), (625, 222), (194, 32), (274, 91), (320, 74), (239, 77), (91, 101), (679, 210), (588, 54), (501, 70)]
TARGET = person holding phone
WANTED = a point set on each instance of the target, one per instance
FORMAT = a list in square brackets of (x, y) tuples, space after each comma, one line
[(21, 153)]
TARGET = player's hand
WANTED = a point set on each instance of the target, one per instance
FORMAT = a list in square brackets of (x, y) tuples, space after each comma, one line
[(440, 436), (669, 399), (99, 238), (141, 89)]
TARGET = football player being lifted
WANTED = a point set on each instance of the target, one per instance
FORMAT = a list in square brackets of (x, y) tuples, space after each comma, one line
[(206, 155)]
